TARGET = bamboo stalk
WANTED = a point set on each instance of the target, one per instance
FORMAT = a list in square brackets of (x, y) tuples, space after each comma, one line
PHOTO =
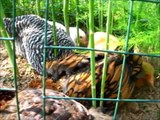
[(158, 27), (54, 27), (140, 9), (7, 43), (38, 7), (77, 21), (92, 53), (10, 50), (87, 20), (100, 15), (66, 19), (104, 74)]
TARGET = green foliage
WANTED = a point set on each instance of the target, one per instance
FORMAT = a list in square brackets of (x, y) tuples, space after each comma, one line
[(7, 7), (145, 28)]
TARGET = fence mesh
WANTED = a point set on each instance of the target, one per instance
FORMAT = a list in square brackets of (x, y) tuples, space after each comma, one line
[(118, 99)]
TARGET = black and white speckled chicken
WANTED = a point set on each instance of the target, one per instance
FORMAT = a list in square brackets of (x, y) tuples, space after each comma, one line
[(30, 104), (30, 34)]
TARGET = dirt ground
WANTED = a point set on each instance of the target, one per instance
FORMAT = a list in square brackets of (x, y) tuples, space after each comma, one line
[(132, 111)]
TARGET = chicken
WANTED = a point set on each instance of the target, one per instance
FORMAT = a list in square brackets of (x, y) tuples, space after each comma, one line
[(5, 97), (83, 41), (78, 84), (29, 35), (100, 38), (146, 76), (82, 83), (30, 103), (66, 66)]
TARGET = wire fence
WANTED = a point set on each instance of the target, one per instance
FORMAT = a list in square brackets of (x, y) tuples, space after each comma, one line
[(118, 99)]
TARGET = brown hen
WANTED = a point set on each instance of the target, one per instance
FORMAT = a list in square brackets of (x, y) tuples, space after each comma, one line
[(5, 97), (78, 84), (146, 76)]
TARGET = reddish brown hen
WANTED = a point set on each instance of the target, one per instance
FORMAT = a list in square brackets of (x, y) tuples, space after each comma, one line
[(78, 83), (5, 98), (30, 103)]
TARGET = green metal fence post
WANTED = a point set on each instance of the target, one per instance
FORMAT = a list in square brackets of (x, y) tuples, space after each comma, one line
[(14, 57), (44, 62), (124, 60)]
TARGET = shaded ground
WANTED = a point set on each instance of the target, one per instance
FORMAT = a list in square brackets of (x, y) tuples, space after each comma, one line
[(132, 111)]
